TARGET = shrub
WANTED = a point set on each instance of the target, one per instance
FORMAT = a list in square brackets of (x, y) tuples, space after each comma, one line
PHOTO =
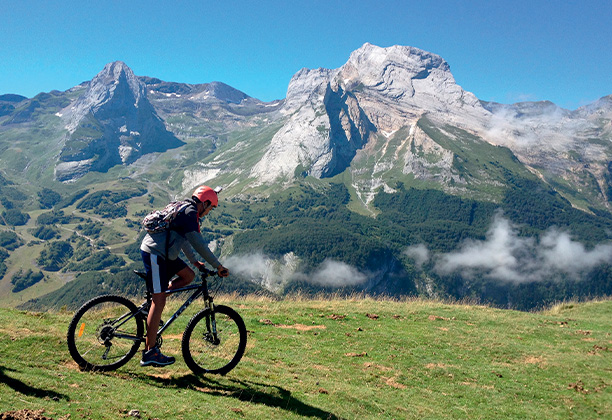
[(47, 198), (45, 232), (22, 280), (14, 217), (55, 255), (10, 240)]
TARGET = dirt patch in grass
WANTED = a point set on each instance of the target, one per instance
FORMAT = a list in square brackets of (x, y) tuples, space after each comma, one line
[(299, 327), (578, 387), (369, 365), (71, 364), (364, 354), (534, 360), (208, 390), (438, 318), (393, 383), (28, 415), (437, 366)]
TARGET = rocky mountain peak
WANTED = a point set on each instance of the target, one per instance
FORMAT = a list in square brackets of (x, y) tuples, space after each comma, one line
[(116, 73), (373, 65), (226, 93), (306, 85), (601, 107), (407, 77), (335, 113), (111, 123), (115, 78), (389, 71)]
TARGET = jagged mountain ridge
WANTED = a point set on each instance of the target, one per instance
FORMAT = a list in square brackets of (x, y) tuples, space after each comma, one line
[(378, 91), (388, 120), (389, 90), (365, 118)]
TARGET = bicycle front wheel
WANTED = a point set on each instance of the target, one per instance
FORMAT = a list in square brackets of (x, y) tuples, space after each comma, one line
[(207, 351), (105, 333)]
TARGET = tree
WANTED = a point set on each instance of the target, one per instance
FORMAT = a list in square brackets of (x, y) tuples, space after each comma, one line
[(14, 217), (47, 198), (22, 280), (55, 255)]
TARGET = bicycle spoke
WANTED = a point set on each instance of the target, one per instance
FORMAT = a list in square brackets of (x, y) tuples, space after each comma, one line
[(104, 334), (205, 352)]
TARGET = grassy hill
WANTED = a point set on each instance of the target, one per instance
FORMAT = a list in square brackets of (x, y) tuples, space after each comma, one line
[(336, 359)]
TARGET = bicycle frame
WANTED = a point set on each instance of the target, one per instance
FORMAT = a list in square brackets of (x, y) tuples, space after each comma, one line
[(200, 290)]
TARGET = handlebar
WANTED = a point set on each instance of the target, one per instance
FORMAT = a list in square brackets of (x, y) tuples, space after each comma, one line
[(207, 273)]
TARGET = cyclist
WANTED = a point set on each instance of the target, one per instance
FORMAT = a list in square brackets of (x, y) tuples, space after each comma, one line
[(160, 255)]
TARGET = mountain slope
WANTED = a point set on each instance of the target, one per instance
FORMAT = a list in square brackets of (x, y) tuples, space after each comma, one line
[(365, 359), (382, 176), (336, 113), (111, 123), (364, 118)]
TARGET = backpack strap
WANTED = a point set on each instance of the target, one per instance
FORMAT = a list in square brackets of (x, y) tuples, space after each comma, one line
[(182, 209)]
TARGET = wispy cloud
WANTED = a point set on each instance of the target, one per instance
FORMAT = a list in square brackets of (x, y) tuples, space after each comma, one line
[(337, 274), (275, 273), (419, 253), (506, 256)]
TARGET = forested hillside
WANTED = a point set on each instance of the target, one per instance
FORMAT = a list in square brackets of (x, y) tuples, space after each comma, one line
[(93, 237)]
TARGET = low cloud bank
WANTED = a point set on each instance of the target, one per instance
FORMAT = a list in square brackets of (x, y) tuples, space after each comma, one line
[(337, 274), (273, 274), (505, 256)]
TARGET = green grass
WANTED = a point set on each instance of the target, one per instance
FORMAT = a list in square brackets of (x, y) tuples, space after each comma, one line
[(337, 359)]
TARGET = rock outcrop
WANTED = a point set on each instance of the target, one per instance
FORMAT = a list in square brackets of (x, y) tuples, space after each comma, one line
[(335, 113)]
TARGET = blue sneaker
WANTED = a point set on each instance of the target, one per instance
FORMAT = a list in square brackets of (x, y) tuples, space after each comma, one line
[(154, 357)]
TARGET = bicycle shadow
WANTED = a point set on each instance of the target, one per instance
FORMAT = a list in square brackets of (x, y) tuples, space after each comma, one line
[(26, 389), (248, 391)]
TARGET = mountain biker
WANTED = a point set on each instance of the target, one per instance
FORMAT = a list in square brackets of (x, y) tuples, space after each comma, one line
[(160, 255)]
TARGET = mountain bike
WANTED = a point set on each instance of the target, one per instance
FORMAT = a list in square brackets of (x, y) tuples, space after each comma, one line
[(106, 332)]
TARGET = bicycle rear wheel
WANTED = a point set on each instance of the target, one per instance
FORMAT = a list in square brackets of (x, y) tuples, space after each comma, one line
[(205, 353), (105, 333)]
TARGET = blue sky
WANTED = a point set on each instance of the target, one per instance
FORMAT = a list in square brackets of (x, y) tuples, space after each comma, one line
[(504, 51)]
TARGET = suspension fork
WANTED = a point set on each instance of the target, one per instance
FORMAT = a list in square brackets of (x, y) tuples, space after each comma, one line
[(211, 321)]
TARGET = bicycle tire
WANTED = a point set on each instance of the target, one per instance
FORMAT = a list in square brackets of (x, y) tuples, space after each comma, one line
[(202, 355), (92, 335)]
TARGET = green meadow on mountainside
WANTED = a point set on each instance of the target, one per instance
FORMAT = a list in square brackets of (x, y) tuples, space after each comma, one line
[(342, 358)]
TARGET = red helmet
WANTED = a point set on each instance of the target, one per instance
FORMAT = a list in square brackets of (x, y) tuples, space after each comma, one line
[(205, 193)]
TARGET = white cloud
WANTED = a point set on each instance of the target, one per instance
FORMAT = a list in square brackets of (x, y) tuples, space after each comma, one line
[(419, 253), (558, 251), (337, 274), (262, 270), (273, 274), (498, 256), (506, 256)]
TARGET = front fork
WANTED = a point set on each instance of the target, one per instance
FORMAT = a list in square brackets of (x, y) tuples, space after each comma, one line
[(211, 324)]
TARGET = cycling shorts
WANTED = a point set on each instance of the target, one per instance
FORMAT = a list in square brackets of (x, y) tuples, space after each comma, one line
[(160, 271)]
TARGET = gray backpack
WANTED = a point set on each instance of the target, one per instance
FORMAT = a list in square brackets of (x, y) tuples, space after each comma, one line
[(160, 220)]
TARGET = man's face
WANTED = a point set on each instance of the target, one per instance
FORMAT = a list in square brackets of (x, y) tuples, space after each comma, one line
[(203, 210)]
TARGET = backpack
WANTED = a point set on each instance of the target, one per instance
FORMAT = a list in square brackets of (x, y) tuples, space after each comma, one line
[(160, 220)]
